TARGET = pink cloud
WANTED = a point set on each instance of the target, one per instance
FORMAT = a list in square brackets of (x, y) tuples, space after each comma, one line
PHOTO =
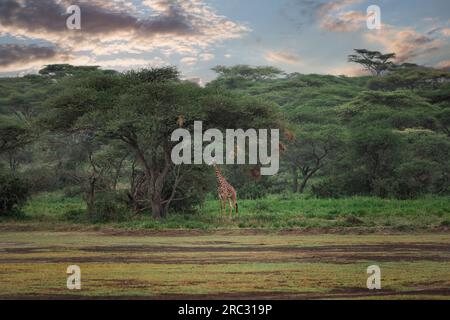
[(407, 43), (333, 16)]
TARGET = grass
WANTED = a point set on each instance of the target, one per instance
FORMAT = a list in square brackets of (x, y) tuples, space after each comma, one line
[(49, 210), (52, 204), (415, 266)]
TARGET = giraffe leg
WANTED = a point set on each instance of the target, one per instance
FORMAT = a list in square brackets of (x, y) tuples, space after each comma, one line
[(231, 208), (225, 209), (221, 208), (236, 208)]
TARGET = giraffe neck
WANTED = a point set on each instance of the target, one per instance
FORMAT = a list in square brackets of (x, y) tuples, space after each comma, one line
[(218, 173)]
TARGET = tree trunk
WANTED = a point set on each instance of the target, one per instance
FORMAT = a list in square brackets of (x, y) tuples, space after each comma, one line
[(91, 195), (302, 187), (155, 176), (12, 162), (306, 179), (294, 179), (157, 208)]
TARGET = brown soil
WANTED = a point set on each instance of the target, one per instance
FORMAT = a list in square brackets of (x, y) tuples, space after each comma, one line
[(338, 254), (107, 230), (339, 293)]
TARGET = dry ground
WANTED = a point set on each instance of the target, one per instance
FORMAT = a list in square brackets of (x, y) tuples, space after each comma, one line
[(224, 265)]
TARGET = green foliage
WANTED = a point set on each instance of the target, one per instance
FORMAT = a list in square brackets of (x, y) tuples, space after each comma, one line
[(13, 194), (107, 207), (97, 134), (329, 188), (51, 205), (152, 75), (389, 108), (410, 77), (13, 134), (252, 190), (64, 70), (374, 61), (247, 72), (363, 123), (43, 179), (138, 111), (284, 211)]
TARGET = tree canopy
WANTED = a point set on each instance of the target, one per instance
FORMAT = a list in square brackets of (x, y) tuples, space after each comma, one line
[(373, 61)]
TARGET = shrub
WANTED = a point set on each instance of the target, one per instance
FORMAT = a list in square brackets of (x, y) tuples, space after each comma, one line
[(445, 223), (75, 215), (261, 206), (252, 191), (73, 191), (353, 221), (43, 179), (326, 189), (14, 191), (108, 207)]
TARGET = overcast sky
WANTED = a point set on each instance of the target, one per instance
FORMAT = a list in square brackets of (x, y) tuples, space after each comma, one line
[(307, 36)]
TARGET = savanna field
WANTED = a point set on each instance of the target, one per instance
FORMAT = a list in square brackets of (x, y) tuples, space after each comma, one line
[(290, 247), (86, 179), (224, 150), (222, 265)]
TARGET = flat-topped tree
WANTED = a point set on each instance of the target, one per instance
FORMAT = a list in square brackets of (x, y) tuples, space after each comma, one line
[(63, 70), (373, 61), (141, 109), (13, 134)]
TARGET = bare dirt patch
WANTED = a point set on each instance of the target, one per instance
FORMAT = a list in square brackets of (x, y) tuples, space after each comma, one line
[(241, 267), (337, 254), (338, 293)]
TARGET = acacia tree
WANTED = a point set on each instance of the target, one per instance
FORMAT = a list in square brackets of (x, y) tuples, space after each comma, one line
[(141, 109), (373, 61), (240, 76), (14, 135), (248, 72), (144, 118), (313, 147)]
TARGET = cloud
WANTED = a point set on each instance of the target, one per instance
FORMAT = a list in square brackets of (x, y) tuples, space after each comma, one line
[(446, 32), (283, 56), (334, 16), (206, 56), (407, 43), (112, 27), (130, 63), (15, 57), (19, 57), (349, 21), (443, 65), (189, 61)]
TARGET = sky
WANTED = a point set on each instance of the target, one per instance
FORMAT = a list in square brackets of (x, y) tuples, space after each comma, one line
[(306, 36)]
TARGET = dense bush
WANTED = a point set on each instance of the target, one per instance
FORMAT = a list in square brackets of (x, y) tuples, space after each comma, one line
[(252, 190), (14, 191), (384, 136), (108, 207), (43, 179), (326, 189)]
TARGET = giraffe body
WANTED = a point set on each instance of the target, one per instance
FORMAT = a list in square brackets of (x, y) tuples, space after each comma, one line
[(227, 194)]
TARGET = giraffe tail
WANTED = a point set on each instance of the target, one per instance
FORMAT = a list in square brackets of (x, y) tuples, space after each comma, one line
[(237, 209)]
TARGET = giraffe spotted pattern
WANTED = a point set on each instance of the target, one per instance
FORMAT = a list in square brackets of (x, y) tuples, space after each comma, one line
[(227, 194)]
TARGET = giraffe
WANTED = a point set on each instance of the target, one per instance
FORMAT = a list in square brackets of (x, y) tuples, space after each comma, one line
[(226, 193)]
